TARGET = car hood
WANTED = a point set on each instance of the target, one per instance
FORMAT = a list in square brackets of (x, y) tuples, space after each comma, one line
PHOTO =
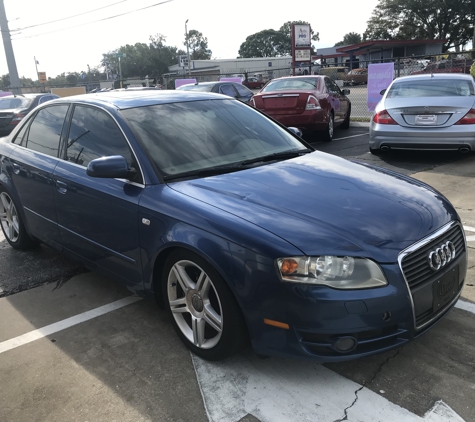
[(324, 204)]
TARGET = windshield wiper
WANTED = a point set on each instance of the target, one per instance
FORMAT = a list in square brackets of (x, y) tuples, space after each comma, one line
[(212, 171), (205, 172), (276, 156)]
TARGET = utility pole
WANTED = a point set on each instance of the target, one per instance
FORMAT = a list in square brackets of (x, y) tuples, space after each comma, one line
[(187, 49), (7, 44), (36, 67)]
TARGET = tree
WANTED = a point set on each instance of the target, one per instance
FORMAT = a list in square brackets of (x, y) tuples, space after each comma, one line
[(349, 39), (450, 20), (141, 60), (272, 43), (266, 43), (198, 45)]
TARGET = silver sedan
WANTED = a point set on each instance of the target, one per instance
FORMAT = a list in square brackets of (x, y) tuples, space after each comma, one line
[(425, 112)]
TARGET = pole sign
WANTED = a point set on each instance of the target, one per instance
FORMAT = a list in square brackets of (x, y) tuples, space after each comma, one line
[(301, 48), (120, 55), (302, 35), (42, 77)]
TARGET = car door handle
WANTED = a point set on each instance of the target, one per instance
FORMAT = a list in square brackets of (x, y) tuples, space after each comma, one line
[(61, 186), (16, 168)]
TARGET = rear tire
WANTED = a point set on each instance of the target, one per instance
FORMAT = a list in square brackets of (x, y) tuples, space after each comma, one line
[(12, 224), (328, 133), (204, 312)]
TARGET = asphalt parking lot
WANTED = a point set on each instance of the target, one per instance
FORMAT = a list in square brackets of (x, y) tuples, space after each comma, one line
[(75, 346)]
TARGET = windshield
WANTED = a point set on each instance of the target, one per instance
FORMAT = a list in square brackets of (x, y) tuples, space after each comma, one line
[(203, 88), (292, 84), (196, 135), (433, 87), (10, 103)]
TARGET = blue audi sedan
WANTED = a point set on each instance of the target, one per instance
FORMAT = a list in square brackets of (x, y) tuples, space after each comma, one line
[(237, 227)]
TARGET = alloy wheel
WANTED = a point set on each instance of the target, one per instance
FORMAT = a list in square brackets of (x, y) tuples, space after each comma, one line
[(9, 218), (195, 304)]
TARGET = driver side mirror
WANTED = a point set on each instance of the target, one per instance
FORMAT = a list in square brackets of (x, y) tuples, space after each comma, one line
[(113, 167), (295, 131)]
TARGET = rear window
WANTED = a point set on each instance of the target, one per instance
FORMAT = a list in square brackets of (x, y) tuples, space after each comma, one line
[(292, 84), (8, 103), (202, 88), (432, 88)]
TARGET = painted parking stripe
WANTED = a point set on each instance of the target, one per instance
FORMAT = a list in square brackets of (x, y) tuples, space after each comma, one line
[(352, 136), (278, 390), (282, 390), (470, 238), (66, 323)]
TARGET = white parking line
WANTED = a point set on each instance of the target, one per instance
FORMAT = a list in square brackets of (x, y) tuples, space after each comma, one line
[(66, 323), (470, 238), (352, 136), (278, 390)]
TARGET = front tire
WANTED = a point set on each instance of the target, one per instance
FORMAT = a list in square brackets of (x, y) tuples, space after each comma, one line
[(12, 225), (204, 312), (346, 122)]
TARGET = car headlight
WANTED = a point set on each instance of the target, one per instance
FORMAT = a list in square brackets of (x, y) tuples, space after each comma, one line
[(339, 272)]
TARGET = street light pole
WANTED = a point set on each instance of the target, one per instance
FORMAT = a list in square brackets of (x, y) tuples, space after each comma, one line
[(187, 49)]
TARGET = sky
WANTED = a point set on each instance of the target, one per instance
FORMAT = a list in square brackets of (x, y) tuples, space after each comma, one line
[(70, 45)]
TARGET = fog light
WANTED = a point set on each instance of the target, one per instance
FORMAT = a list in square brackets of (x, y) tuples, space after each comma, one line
[(345, 344)]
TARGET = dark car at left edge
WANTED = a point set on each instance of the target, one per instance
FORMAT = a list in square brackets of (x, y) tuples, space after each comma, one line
[(13, 108), (237, 227)]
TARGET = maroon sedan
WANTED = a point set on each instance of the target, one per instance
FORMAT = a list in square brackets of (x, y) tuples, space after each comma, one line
[(253, 83), (310, 103)]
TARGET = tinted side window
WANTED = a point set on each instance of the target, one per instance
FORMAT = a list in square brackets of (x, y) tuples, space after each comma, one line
[(45, 99), (19, 137), (94, 134), (45, 130), (243, 91), (227, 90)]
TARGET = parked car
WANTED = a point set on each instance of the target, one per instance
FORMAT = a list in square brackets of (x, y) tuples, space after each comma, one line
[(356, 77), (446, 66), (231, 89), (425, 112), (310, 103), (13, 108), (239, 228), (253, 83)]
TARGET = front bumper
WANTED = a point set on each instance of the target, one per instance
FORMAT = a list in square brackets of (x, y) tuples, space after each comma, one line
[(318, 317)]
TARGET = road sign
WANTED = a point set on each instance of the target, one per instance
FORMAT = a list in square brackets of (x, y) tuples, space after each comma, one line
[(120, 55), (42, 77)]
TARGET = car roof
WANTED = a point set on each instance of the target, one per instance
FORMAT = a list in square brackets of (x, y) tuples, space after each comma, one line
[(435, 76), (131, 99), (26, 95)]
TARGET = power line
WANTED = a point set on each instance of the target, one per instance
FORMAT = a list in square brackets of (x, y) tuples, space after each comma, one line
[(99, 20), (69, 17)]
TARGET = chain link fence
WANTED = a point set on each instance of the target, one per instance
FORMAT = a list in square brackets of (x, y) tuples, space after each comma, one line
[(354, 78)]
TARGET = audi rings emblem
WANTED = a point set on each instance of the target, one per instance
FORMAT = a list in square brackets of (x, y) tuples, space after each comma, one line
[(441, 256)]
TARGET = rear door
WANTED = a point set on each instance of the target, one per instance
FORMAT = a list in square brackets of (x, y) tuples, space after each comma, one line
[(33, 164)]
